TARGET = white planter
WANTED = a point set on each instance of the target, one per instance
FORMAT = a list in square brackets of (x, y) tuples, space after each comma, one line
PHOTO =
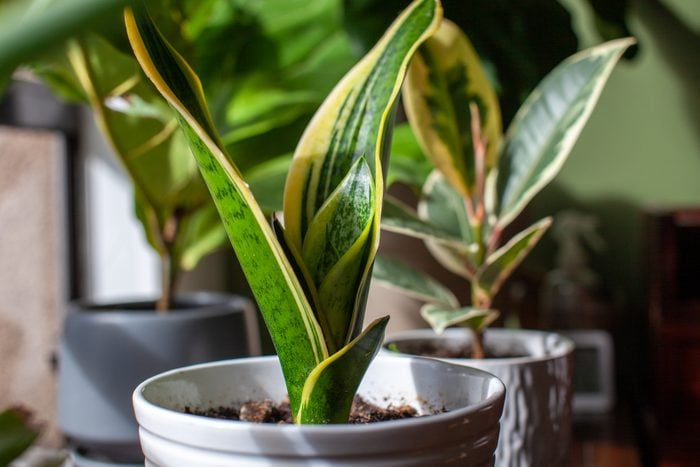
[(466, 435), (536, 423)]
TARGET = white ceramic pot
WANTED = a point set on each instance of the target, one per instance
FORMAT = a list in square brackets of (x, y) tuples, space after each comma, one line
[(466, 435), (536, 422)]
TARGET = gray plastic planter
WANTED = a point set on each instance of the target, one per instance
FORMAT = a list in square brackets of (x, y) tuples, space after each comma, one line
[(466, 435), (106, 350), (536, 423)]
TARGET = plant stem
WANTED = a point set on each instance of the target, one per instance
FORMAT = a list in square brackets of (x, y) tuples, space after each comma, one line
[(168, 263), (478, 345)]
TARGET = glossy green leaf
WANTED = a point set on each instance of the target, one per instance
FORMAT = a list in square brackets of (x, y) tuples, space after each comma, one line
[(15, 435), (443, 80), (548, 124), (398, 217), (281, 298), (398, 275), (200, 234), (444, 208), (408, 163), (266, 181), (500, 265), (440, 318), (32, 27), (143, 132), (332, 385)]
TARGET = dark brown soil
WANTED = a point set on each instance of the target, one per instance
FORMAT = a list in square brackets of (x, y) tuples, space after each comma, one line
[(451, 349), (267, 411)]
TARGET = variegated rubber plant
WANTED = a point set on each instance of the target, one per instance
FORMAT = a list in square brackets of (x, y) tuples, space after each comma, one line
[(483, 179), (309, 276)]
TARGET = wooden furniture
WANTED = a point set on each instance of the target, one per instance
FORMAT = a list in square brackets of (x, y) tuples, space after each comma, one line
[(674, 316)]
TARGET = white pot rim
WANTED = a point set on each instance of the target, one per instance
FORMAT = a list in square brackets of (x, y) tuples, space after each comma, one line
[(142, 404), (555, 345)]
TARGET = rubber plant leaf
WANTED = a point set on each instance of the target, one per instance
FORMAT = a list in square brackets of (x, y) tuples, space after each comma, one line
[(501, 263), (396, 274), (354, 123), (399, 218), (335, 381), (285, 308), (546, 127), (443, 207), (408, 163), (440, 318), (443, 79)]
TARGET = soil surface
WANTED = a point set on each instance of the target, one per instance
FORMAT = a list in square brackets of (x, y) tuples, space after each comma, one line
[(267, 411), (451, 349)]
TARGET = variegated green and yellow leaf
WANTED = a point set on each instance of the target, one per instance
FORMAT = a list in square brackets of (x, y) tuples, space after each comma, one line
[(295, 332), (412, 282), (352, 122), (334, 381), (399, 218), (440, 318), (444, 78), (501, 264), (444, 208), (334, 250), (548, 124)]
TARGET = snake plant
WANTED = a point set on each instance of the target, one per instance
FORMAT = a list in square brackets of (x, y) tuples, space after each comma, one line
[(309, 274), (483, 179)]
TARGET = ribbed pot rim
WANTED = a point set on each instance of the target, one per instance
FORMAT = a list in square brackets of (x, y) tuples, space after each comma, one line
[(552, 345)]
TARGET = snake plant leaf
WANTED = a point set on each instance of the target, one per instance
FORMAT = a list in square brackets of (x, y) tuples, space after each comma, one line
[(399, 218), (396, 274), (335, 247), (16, 435), (353, 120), (500, 264), (440, 318), (288, 315), (548, 124), (334, 382), (443, 207), (443, 79)]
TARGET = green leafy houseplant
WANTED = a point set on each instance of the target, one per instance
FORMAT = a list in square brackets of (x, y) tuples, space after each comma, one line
[(482, 179), (265, 66), (310, 277)]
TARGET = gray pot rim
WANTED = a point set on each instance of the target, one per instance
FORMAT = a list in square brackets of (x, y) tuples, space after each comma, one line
[(331, 429), (196, 304), (559, 344)]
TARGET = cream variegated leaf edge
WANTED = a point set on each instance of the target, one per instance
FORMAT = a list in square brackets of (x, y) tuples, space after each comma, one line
[(446, 76), (546, 127)]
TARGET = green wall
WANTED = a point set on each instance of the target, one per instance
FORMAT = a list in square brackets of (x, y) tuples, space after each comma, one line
[(641, 148)]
